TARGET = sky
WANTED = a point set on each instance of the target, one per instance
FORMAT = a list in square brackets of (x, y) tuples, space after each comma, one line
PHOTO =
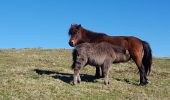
[(45, 23)]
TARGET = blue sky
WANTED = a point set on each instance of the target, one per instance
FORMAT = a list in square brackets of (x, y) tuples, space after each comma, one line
[(45, 23)]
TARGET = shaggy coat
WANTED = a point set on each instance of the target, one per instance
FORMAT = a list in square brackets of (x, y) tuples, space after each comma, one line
[(139, 50), (97, 54)]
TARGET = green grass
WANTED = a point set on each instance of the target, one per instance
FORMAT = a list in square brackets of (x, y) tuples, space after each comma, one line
[(45, 74)]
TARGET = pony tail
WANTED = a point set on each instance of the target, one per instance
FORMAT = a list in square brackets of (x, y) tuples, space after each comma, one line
[(147, 58)]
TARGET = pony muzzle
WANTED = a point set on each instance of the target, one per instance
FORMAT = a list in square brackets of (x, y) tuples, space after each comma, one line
[(72, 43)]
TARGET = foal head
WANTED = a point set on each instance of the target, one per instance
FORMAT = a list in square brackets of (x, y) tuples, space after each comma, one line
[(75, 34)]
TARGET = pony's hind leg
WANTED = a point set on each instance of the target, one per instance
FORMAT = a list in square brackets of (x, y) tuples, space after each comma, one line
[(106, 67), (138, 60), (143, 79)]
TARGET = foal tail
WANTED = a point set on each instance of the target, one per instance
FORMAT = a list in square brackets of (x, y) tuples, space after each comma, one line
[(147, 57)]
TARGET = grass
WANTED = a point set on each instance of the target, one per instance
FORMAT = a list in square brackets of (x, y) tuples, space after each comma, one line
[(45, 74)]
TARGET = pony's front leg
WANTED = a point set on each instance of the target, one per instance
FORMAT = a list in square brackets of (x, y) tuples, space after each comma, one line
[(80, 62), (76, 76), (97, 75), (102, 70)]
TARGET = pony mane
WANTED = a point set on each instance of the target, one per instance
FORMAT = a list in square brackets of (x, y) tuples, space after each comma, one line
[(70, 31), (90, 36), (89, 32)]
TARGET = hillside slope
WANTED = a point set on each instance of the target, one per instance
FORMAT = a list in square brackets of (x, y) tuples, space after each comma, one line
[(46, 74)]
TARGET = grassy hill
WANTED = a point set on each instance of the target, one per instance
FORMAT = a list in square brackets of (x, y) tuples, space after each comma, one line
[(46, 74)]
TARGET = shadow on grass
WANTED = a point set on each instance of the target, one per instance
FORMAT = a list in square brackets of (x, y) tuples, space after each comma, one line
[(65, 77), (129, 81)]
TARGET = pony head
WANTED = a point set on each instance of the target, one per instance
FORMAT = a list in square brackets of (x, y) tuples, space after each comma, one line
[(74, 33)]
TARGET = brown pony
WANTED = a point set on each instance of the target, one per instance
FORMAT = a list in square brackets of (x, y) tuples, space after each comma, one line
[(139, 50)]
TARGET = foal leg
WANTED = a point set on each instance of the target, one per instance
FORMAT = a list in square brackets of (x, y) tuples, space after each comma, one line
[(76, 76), (106, 66), (80, 62)]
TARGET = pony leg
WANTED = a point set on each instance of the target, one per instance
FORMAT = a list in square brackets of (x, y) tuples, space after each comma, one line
[(143, 79), (102, 69), (138, 61), (75, 76), (99, 69), (97, 75), (78, 78), (106, 78), (80, 62), (106, 66)]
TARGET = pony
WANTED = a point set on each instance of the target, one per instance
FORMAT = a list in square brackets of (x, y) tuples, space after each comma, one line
[(140, 51), (97, 54)]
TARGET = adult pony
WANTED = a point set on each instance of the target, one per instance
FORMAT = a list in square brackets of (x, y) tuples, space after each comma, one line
[(134, 45)]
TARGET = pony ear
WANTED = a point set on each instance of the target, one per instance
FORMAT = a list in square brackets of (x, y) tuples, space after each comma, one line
[(79, 25)]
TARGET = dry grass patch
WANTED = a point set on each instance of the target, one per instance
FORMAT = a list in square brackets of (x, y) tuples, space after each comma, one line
[(33, 74)]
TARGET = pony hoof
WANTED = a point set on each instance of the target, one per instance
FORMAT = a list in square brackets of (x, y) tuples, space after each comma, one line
[(106, 83), (78, 82), (73, 83), (143, 83)]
